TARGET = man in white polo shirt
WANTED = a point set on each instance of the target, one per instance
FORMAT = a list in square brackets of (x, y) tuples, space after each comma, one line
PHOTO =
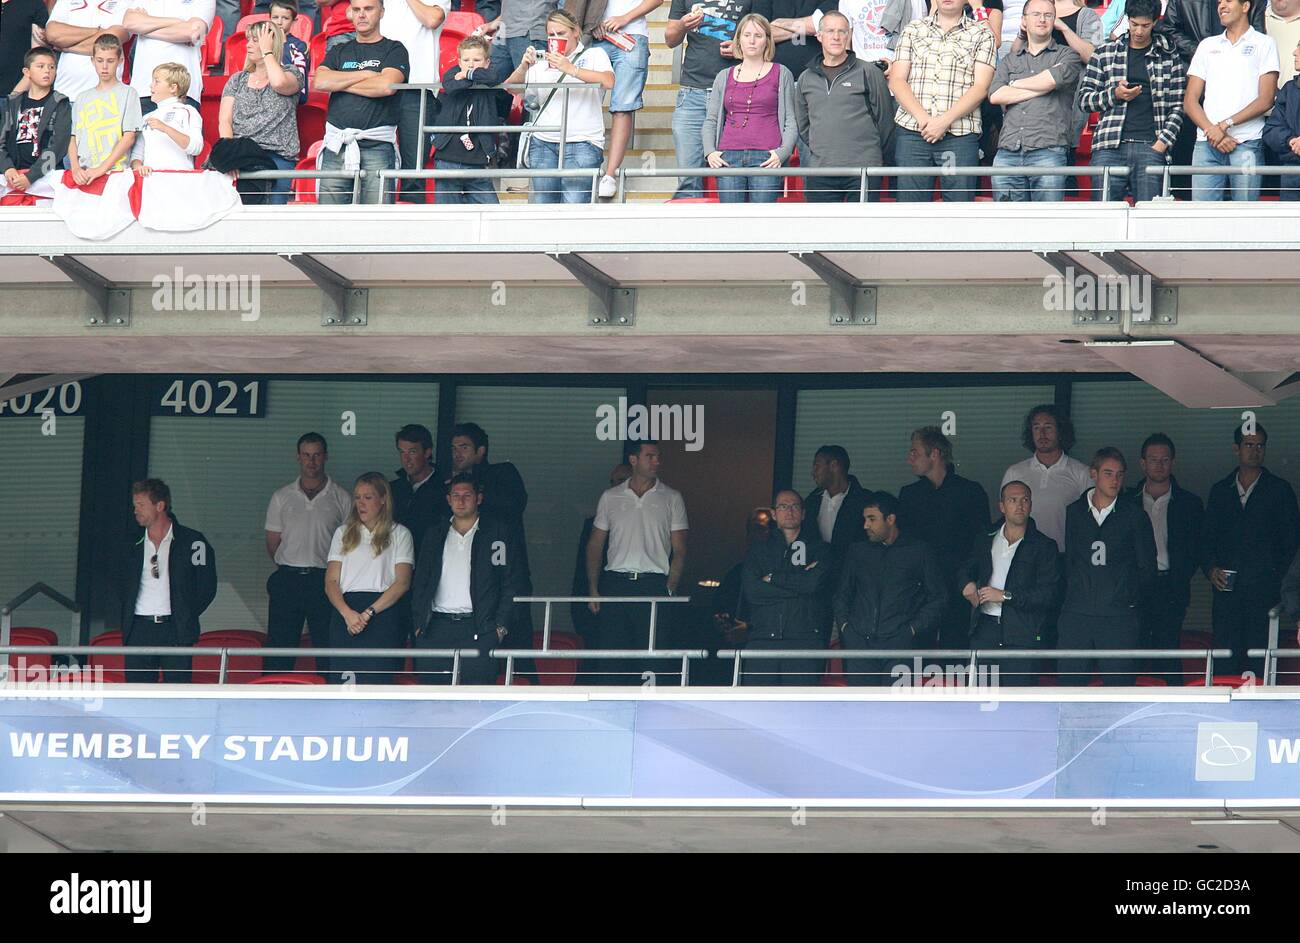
[(418, 27), (168, 31), (72, 29), (645, 524), (300, 522), (1236, 72)]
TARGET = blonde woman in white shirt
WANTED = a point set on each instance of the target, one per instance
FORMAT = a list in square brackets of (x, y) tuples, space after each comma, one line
[(368, 573)]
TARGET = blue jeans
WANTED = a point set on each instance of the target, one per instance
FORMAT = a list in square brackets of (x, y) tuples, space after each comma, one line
[(952, 150), (543, 155), (748, 189), (630, 70), (1136, 156), (1211, 186), (688, 128), (1026, 189), (280, 189), (464, 190), (374, 157)]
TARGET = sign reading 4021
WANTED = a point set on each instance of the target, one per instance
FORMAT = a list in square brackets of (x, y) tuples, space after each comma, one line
[(233, 397), (62, 400)]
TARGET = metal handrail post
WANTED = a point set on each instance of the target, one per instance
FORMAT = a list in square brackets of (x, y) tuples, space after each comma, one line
[(735, 671), (1105, 184), (974, 657), (686, 671), (1274, 634), (546, 628), (595, 186), (862, 186), (1209, 667), (510, 669), (1167, 186), (654, 611), (564, 128), (223, 665), (622, 185), (455, 668), (356, 187)]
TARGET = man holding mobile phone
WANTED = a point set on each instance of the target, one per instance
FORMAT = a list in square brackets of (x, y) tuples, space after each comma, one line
[(1137, 82)]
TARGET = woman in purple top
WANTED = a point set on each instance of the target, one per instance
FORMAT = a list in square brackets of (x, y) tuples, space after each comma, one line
[(751, 117)]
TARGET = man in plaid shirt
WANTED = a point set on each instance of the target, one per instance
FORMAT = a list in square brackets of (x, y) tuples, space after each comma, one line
[(942, 69), (1137, 82)]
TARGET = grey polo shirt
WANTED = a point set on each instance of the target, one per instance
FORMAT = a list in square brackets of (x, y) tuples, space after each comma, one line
[(525, 18), (1043, 121)]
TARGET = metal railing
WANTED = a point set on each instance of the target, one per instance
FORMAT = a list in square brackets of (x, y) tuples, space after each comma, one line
[(30, 593), (356, 176), (1169, 171), (600, 654), (654, 602), (972, 657), (1269, 654), (867, 173)]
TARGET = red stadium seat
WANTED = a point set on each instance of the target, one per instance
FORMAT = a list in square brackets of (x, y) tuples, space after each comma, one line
[(304, 189), (315, 54), (517, 681), (1146, 681), (246, 7), (455, 27), (236, 52), (305, 663), (311, 121), (112, 665), (559, 670), (1222, 681), (834, 676), (336, 21), (240, 669), (301, 26), (32, 636), (210, 52), (289, 679), (210, 112)]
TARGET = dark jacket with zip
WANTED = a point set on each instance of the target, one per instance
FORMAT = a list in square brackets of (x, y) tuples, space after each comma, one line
[(791, 606), (890, 594), (950, 518), (1109, 569), (1031, 581), (474, 100), (847, 122), (1283, 124), (417, 509), (1183, 520), (192, 585), (1259, 540), (496, 574), (52, 135)]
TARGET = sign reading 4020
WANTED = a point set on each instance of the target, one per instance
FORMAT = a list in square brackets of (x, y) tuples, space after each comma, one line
[(222, 397), (62, 400)]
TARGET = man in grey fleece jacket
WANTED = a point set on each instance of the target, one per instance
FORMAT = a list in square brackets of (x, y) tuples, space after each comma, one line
[(845, 113)]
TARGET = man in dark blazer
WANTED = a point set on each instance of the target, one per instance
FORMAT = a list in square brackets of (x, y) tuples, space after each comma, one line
[(890, 593), (1110, 567), (1252, 529), (167, 578), (466, 579), (1177, 517), (418, 489), (1010, 581)]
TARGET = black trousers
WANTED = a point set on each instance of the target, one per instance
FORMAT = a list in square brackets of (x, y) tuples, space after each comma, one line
[(384, 631), (797, 672), (1240, 620), (627, 626), (447, 632), (296, 596), (873, 672), (840, 189), (1011, 672), (1162, 626), (1079, 630), (143, 669)]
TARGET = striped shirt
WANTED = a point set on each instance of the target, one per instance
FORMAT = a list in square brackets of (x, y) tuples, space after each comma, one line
[(942, 67)]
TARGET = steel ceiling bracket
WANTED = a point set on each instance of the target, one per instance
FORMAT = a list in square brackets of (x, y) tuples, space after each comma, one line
[(343, 304), (107, 305), (1158, 303), (611, 304), (852, 303)]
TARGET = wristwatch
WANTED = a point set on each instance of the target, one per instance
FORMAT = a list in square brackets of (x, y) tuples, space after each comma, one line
[(1229, 123), (1006, 597), (370, 610)]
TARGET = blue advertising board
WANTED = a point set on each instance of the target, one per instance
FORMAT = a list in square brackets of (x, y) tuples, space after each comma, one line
[(739, 749)]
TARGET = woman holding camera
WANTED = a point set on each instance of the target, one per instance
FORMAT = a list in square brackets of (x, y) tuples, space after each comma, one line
[(565, 60)]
